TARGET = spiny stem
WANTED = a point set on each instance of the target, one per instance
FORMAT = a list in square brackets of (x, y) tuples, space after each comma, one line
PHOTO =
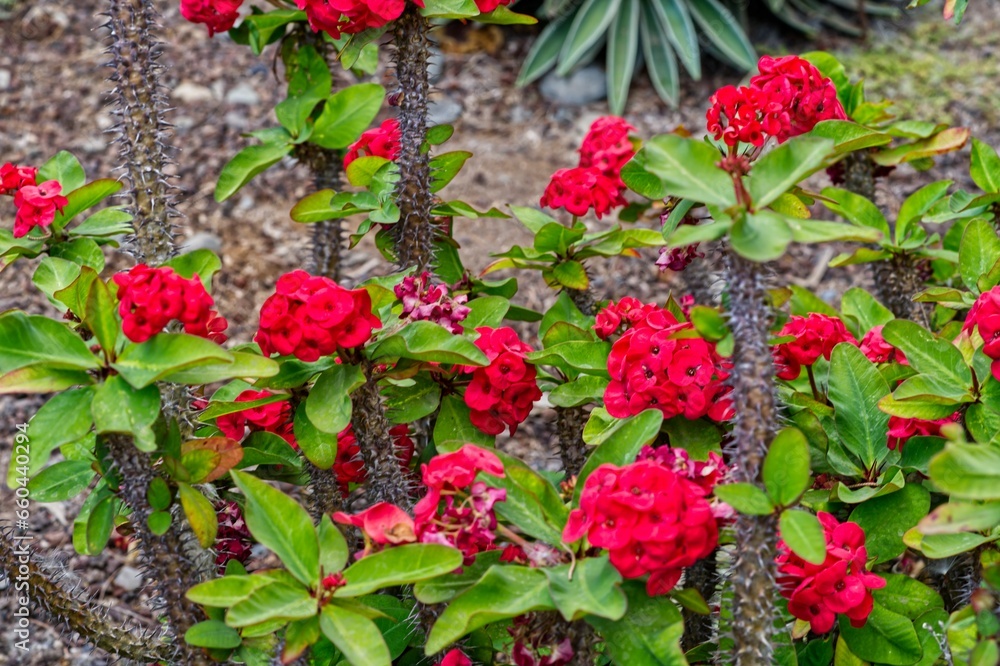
[(414, 233), (143, 132), (386, 480), (569, 428), (752, 379)]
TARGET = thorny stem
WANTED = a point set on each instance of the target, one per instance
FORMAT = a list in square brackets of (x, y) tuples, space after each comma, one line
[(386, 479), (753, 571), (414, 233)]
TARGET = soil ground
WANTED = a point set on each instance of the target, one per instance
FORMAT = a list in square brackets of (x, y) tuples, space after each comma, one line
[(53, 97)]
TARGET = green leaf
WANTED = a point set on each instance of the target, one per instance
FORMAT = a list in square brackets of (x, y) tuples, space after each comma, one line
[(978, 253), (100, 523), (623, 49), (642, 182), (278, 601), (861, 306), (329, 205), (571, 274), (581, 391), (968, 471), (803, 534), (907, 596), (244, 366), (618, 441), (916, 206), (590, 23), (649, 635), (929, 354), (355, 636), (65, 168), (503, 592), (309, 83), (318, 446), (675, 20), (856, 386), (761, 236), (886, 638), (226, 591), (204, 263), (856, 209), (100, 316), (532, 503), (445, 588), (445, 167), (333, 550), (328, 405), (688, 170), (849, 137), (886, 519), (200, 514), (985, 169), (213, 634), (106, 222), (61, 481), (544, 52), (41, 379), (725, 33), (454, 427), (593, 588), (165, 354), (282, 525), (955, 517), (786, 467), (401, 565), (661, 65), (247, 163), (84, 251), (346, 114), (83, 198), (427, 341), (54, 274), (119, 408), (486, 311), (590, 357), (27, 340), (782, 168), (412, 399), (746, 498), (64, 419)]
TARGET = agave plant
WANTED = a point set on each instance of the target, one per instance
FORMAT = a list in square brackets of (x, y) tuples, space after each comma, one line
[(663, 32)]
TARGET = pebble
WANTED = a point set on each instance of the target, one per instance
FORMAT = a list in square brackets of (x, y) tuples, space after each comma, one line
[(129, 579), (189, 93), (443, 111), (243, 93), (435, 65), (583, 86), (5, 78), (203, 240)]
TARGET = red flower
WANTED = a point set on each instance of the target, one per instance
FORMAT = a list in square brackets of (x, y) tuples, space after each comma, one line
[(744, 114), (877, 350), (815, 335), (382, 141), (651, 520), (37, 206), (501, 394), (217, 15), (455, 658), (13, 177), (985, 318), (275, 417), (233, 540), (805, 95), (381, 524), (902, 429), (607, 147), (816, 593), (309, 317), (150, 298), (580, 189), (351, 16)]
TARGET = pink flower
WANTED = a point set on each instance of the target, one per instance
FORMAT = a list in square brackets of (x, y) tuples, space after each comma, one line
[(877, 350), (381, 524), (13, 177), (423, 301), (37, 206)]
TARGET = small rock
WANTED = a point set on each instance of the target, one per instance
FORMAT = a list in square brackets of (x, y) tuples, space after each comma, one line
[(203, 240), (443, 110), (129, 579), (5, 78), (191, 92), (435, 65), (243, 93), (236, 120), (583, 86)]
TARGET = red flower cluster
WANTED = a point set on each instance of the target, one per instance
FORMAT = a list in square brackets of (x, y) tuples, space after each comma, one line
[(487, 6), (350, 468), (651, 520), (150, 298), (275, 417), (381, 524), (877, 350), (902, 429), (657, 364), (351, 16), (786, 99), (455, 658), (816, 593), (382, 141), (985, 315), (36, 202), (630, 312), (217, 15), (466, 520), (706, 473), (815, 335), (607, 147), (309, 317), (423, 301), (502, 393), (582, 188), (232, 541)]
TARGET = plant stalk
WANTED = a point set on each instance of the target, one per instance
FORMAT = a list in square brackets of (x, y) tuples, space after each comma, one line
[(386, 479)]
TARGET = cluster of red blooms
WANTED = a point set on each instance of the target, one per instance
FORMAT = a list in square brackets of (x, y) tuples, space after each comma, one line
[(36, 202), (816, 593), (596, 182), (985, 315), (786, 99), (705, 474), (382, 141), (274, 417), (423, 301), (217, 15), (309, 317), (877, 350), (656, 364), (150, 298), (350, 468), (652, 521), (467, 520), (233, 541), (455, 658), (815, 335), (502, 393), (902, 429), (351, 16)]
